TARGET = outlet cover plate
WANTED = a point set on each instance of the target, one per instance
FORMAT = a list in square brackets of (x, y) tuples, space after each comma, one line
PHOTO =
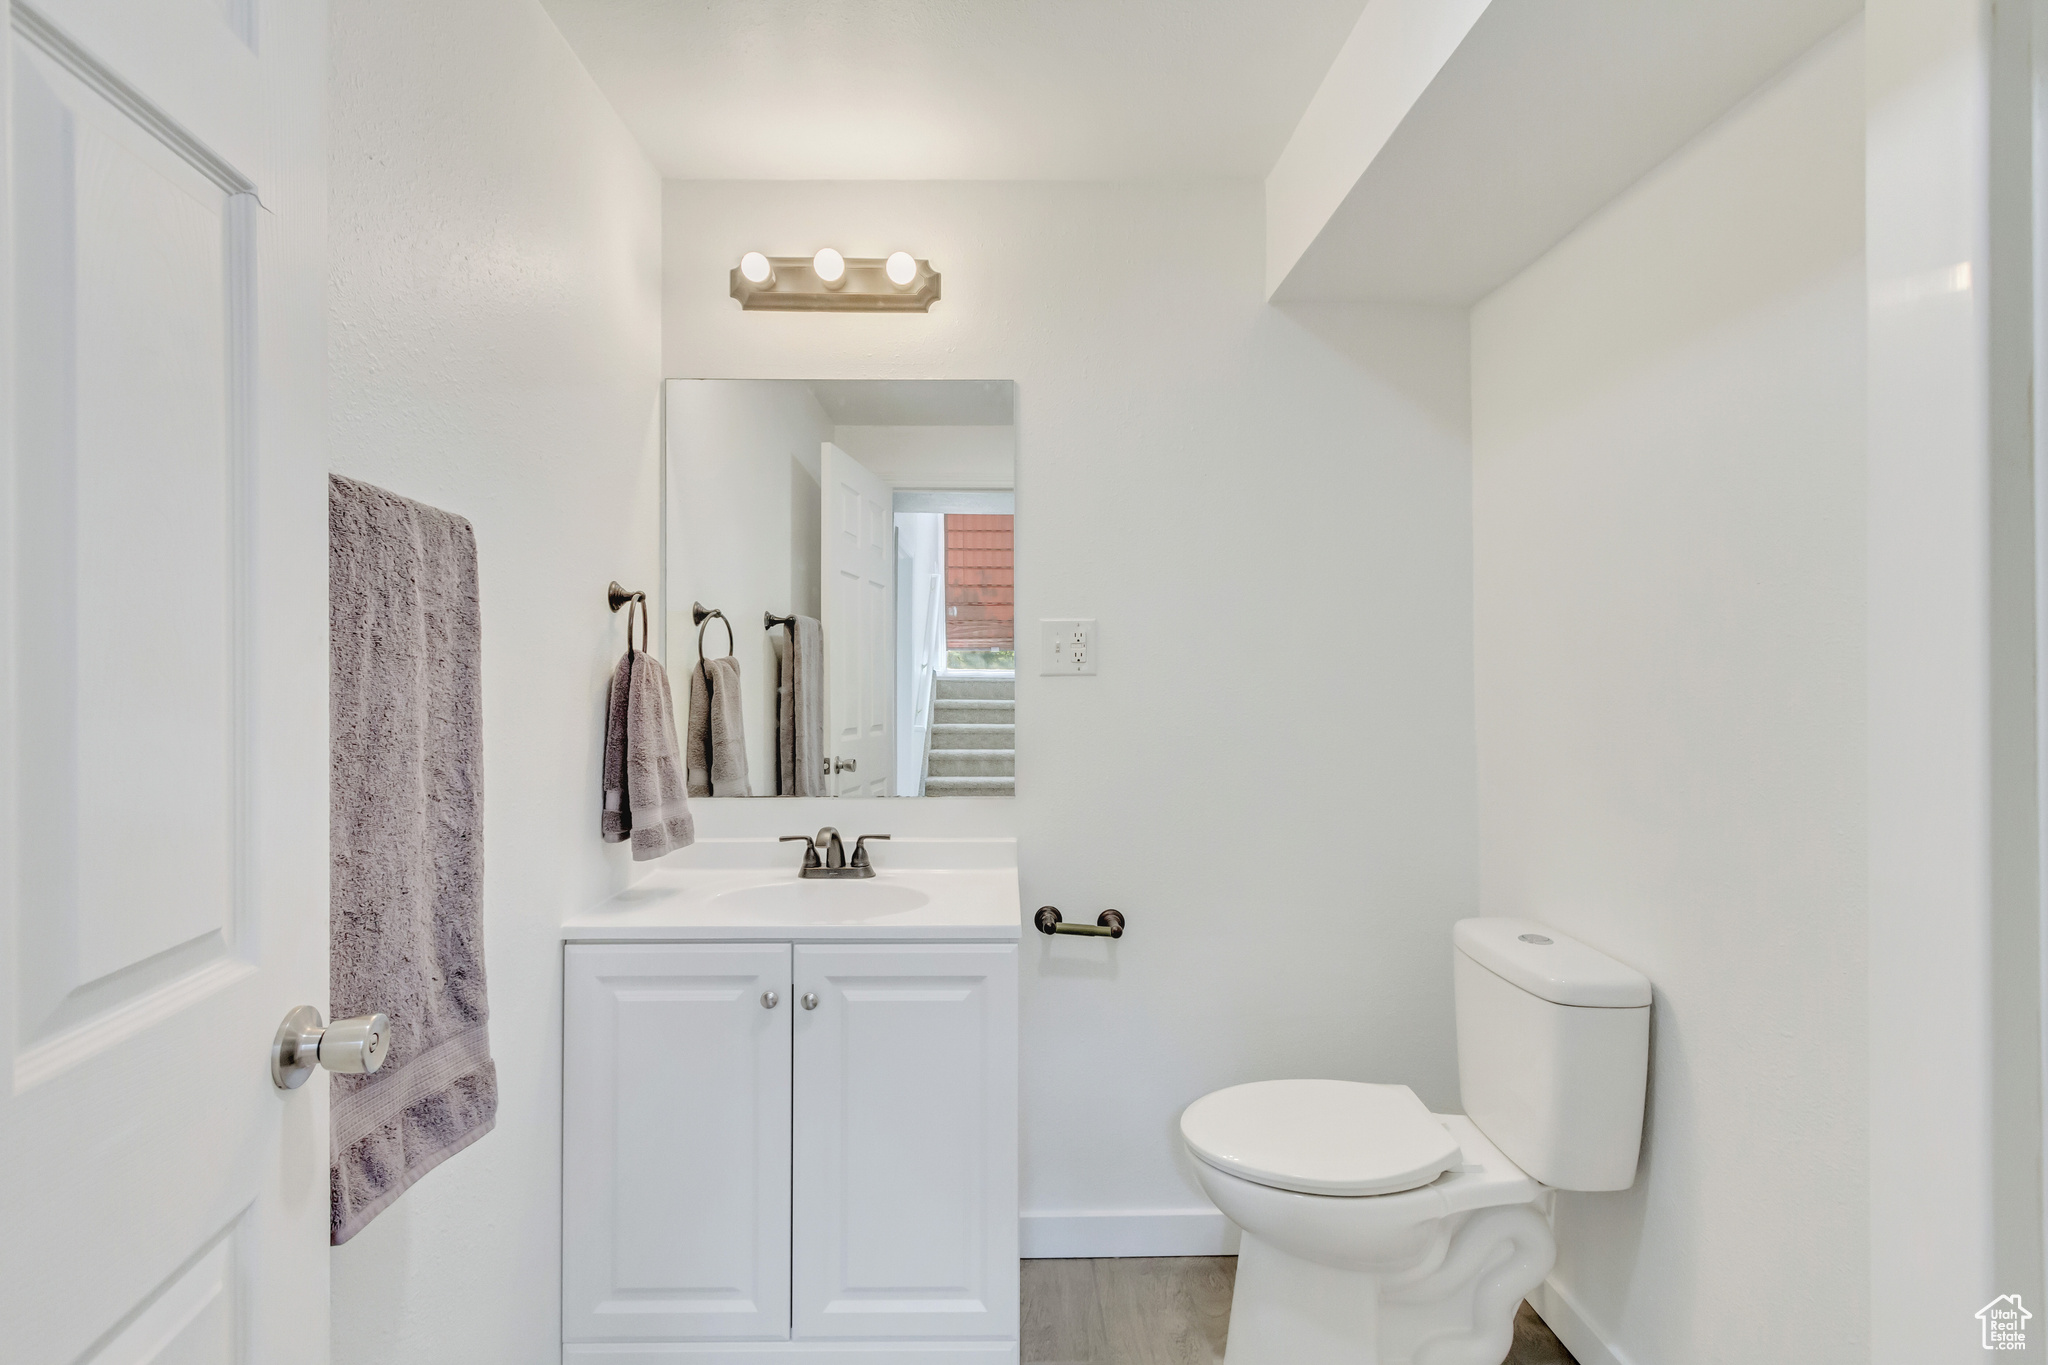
[(1066, 647)]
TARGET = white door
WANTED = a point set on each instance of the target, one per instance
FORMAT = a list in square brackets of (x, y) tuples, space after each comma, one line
[(860, 624), (905, 1163), (163, 681), (675, 1143)]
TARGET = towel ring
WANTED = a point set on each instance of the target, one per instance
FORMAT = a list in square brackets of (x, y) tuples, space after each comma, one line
[(703, 619), (619, 597)]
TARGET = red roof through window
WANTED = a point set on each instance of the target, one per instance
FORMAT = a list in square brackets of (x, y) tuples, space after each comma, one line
[(980, 581)]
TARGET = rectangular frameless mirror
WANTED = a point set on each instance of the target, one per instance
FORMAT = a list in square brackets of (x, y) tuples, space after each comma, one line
[(840, 612)]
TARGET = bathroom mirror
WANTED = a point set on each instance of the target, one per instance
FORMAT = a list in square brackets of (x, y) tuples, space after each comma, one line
[(838, 571)]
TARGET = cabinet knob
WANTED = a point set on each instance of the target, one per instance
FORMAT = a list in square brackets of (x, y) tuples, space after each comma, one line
[(810, 1001), (769, 1000)]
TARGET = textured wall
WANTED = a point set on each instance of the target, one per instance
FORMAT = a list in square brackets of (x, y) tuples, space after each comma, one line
[(494, 342), (1668, 419), (1269, 514)]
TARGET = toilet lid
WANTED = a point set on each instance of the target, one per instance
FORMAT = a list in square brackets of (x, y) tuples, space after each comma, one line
[(1321, 1137)]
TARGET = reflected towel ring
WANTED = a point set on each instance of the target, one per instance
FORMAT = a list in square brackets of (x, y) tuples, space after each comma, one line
[(703, 619)]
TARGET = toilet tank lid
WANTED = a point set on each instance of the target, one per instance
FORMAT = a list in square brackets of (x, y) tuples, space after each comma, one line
[(1545, 963)]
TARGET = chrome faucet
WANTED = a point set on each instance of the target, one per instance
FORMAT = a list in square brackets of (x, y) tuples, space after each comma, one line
[(825, 856)]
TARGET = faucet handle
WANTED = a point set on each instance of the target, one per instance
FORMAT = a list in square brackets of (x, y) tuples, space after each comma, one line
[(860, 848), (811, 858)]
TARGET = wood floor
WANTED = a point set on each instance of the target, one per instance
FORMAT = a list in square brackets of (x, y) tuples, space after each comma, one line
[(1167, 1311)]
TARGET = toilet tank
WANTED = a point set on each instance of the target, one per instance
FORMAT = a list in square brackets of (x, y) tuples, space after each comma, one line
[(1553, 1051)]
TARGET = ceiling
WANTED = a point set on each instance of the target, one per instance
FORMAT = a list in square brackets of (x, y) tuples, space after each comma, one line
[(958, 89), (1547, 110)]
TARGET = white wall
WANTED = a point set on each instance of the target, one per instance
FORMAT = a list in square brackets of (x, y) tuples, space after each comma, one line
[(743, 538), (1668, 422), (934, 457), (1269, 515), (494, 336), (920, 638)]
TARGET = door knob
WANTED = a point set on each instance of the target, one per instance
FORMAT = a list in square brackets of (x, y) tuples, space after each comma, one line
[(846, 765), (769, 1000), (354, 1046), (810, 1001)]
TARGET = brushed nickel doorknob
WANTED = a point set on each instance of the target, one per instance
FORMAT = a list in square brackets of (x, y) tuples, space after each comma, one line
[(769, 1000), (810, 1001), (352, 1046)]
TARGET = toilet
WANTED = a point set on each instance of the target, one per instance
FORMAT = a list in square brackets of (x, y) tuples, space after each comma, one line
[(1378, 1233)]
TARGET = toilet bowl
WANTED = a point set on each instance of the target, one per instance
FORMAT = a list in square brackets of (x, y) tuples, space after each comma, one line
[(1378, 1233), (1429, 1275)]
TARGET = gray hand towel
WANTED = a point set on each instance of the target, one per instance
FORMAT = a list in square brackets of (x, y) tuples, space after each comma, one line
[(717, 741), (406, 854), (800, 734), (643, 774)]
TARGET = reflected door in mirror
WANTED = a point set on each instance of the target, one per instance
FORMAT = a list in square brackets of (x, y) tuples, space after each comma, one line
[(860, 596)]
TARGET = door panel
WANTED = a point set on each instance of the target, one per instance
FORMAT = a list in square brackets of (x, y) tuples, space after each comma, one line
[(905, 1156), (142, 344), (163, 680), (675, 1142), (190, 1321)]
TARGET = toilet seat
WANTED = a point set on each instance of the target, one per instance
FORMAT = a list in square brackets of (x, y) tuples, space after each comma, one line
[(1321, 1137)]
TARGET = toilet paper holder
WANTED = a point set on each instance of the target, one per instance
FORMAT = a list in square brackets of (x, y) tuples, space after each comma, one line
[(1108, 924)]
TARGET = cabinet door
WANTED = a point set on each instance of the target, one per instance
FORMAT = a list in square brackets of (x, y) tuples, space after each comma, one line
[(675, 1142), (906, 1141)]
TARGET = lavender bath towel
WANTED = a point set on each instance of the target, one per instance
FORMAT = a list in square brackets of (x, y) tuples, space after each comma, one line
[(406, 854)]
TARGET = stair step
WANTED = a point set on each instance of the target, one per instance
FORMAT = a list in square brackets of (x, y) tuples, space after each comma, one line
[(976, 736), (970, 786), (972, 710), (1000, 689), (973, 763)]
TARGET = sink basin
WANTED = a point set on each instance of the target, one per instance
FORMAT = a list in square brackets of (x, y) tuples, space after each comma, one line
[(819, 900)]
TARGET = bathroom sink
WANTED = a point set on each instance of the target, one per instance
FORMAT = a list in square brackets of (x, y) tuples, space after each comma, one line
[(825, 901), (747, 890)]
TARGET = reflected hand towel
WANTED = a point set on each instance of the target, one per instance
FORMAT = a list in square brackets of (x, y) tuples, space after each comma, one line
[(717, 738)]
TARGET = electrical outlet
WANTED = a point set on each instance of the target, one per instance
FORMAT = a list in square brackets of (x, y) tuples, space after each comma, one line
[(1067, 647)]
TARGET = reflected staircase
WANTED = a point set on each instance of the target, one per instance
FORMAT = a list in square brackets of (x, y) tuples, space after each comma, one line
[(974, 738)]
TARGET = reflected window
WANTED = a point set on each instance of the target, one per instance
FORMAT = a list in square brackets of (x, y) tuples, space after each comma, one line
[(981, 615)]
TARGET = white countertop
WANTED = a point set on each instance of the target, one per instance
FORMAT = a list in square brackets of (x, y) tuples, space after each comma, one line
[(736, 889)]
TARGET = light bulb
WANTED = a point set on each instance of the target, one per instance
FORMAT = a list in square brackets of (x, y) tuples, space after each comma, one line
[(756, 270), (830, 267), (902, 268)]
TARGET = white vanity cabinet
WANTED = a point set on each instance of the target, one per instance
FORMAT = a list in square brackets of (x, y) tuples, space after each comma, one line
[(675, 1142), (810, 1180), (906, 1141)]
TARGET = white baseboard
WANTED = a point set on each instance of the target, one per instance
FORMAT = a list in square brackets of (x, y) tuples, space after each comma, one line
[(1573, 1328), (1071, 1234)]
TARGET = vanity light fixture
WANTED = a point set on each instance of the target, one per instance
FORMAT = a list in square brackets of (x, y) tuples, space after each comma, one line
[(835, 283), (830, 268)]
